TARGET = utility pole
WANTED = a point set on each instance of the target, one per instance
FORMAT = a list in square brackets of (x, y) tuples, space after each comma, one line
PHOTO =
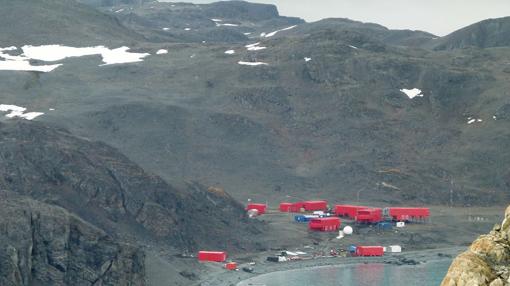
[(451, 192)]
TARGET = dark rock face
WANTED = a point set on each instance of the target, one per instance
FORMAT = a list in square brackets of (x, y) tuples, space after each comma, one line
[(102, 186), (42, 244)]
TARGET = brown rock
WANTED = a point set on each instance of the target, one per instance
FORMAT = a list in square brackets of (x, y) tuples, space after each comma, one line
[(486, 263)]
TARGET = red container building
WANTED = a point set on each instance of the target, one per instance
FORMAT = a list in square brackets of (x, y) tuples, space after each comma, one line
[(297, 207), (285, 207), (324, 224), (409, 214), (349, 211), (370, 215), (307, 206), (214, 256), (231, 266), (315, 205), (369, 251), (261, 208)]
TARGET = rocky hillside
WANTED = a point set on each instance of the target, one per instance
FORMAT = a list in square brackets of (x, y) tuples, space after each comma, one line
[(106, 189), (292, 109), (59, 22), (485, 34), (43, 244), (487, 261)]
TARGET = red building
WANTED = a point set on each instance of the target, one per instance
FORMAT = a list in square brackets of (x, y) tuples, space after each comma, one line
[(285, 207), (315, 205), (297, 207), (307, 206), (409, 214), (261, 208), (324, 224), (369, 251), (231, 266), (370, 215), (214, 256), (349, 211)]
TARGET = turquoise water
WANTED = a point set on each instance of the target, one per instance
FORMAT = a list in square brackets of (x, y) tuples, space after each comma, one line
[(427, 274)]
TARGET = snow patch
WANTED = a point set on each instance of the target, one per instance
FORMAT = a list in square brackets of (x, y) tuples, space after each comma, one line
[(161, 52), (51, 53), (255, 47), (412, 93), (230, 52), (120, 10), (227, 25), (24, 65), (187, 29), (353, 47), (216, 20), (246, 34), (473, 120), (277, 31), (9, 107), (166, 29), (307, 59), (252, 63), (18, 111)]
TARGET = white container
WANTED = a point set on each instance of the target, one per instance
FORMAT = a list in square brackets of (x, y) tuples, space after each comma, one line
[(395, 248), (401, 224)]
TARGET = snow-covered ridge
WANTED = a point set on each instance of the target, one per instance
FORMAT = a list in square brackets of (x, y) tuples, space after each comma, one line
[(18, 111), (53, 53), (412, 93)]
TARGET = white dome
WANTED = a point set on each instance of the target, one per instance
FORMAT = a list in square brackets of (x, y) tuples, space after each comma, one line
[(348, 230), (253, 212)]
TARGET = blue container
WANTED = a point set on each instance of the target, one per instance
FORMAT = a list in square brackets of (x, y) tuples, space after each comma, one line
[(352, 249), (385, 226), (301, 218)]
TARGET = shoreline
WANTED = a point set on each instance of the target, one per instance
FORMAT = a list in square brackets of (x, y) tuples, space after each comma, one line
[(219, 276)]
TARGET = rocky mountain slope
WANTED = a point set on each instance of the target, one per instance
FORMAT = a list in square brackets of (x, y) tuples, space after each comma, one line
[(321, 115), (485, 34), (487, 260), (43, 244), (59, 22)]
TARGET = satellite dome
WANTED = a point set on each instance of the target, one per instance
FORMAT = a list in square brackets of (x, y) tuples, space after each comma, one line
[(348, 230), (253, 213)]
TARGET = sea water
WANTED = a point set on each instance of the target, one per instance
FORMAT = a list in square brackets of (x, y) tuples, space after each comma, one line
[(425, 274)]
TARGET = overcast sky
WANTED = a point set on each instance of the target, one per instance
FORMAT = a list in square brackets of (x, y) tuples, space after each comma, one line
[(439, 17)]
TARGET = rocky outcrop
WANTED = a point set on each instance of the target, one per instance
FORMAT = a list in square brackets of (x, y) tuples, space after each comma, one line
[(42, 244), (487, 262)]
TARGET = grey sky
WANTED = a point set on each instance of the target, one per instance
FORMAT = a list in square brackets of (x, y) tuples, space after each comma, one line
[(439, 17)]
